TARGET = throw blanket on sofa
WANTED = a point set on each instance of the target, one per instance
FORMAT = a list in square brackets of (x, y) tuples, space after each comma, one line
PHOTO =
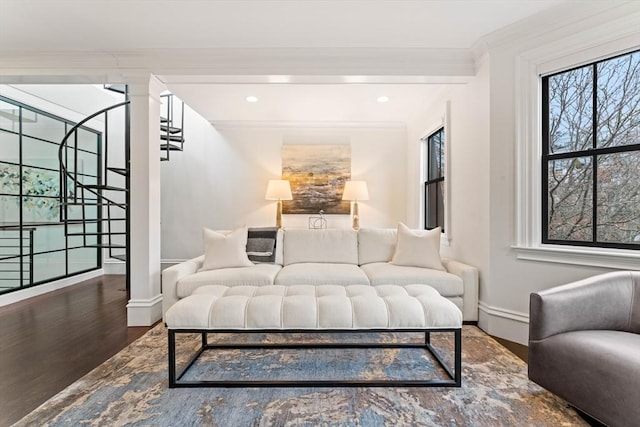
[(261, 244)]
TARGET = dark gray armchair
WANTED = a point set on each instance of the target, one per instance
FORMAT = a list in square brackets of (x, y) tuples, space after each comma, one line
[(584, 345)]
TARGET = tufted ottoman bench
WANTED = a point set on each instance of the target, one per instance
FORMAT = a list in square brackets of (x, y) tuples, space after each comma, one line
[(315, 309)]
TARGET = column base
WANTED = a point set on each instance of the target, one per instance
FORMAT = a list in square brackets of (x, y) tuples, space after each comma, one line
[(142, 312)]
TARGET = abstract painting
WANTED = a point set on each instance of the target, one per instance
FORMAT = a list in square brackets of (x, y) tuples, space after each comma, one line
[(317, 174)]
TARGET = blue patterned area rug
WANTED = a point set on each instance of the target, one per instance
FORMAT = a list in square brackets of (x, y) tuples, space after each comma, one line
[(131, 388)]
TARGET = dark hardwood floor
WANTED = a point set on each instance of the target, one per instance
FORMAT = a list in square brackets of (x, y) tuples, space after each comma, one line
[(518, 349), (49, 341)]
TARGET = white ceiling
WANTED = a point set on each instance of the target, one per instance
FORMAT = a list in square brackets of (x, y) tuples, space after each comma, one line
[(125, 25), (185, 42), (307, 103)]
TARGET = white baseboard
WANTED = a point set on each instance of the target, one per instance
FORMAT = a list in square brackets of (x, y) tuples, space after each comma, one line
[(114, 266), (144, 312), (166, 263), (504, 323), (33, 291)]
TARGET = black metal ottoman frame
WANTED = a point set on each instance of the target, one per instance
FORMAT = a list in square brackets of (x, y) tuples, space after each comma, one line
[(454, 376)]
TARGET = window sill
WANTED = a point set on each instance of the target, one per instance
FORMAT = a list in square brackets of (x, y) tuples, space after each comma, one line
[(593, 257)]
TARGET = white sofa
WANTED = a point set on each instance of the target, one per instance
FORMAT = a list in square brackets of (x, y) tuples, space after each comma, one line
[(330, 257)]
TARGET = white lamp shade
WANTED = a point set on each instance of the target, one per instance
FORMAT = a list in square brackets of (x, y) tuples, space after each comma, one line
[(355, 190), (278, 189)]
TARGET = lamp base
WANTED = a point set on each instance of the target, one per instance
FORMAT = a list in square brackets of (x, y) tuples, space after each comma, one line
[(356, 217), (279, 214)]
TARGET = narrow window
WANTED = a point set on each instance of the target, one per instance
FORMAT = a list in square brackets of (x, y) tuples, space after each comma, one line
[(434, 183), (591, 154)]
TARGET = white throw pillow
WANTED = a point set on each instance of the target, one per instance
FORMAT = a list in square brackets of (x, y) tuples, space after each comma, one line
[(225, 250), (418, 248)]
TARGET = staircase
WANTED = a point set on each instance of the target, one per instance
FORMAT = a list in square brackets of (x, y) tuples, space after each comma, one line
[(171, 130), (96, 211)]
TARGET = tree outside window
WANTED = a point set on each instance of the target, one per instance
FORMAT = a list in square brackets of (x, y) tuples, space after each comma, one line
[(591, 154), (434, 184)]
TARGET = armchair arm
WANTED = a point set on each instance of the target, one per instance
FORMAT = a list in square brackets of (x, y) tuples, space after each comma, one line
[(469, 276), (600, 302), (170, 277)]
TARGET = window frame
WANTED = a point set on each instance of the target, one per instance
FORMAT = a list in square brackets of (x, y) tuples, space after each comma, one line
[(593, 153), (433, 182), (443, 121), (530, 65)]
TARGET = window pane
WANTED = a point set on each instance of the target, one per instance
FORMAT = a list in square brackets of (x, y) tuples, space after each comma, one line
[(570, 199), (10, 210), (9, 116), (41, 126), (87, 141), (39, 153), (570, 110), (436, 155), (82, 259), (49, 238), (435, 205), (619, 198), (49, 266), (9, 146), (41, 191), (619, 101), (9, 179)]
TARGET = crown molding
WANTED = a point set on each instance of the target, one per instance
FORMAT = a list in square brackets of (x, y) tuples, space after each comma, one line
[(563, 20), (254, 124), (114, 66)]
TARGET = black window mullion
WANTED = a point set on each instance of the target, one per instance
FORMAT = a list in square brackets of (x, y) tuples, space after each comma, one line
[(21, 192), (545, 160), (594, 161)]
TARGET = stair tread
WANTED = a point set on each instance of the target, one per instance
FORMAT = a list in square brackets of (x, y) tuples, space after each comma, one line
[(120, 205), (170, 129), (104, 233), (120, 88), (172, 147), (106, 245), (121, 171), (104, 187), (172, 138), (80, 221)]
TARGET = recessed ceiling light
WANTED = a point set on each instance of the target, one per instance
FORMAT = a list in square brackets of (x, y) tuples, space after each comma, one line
[(252, 98), (383, 99)]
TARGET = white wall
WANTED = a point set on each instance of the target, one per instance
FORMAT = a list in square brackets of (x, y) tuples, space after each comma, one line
[(504, 307), (484, 170), (468, 149), (220, 178)]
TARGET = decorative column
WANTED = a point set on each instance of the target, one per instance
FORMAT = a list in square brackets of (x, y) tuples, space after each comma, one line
[(145, 303)]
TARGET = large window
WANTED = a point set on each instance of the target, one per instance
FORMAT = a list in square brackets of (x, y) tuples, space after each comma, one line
[(591, 154), (434, 183)]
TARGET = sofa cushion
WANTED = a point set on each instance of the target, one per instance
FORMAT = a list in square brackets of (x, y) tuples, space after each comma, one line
[(418, 248), (261, 244), (384, 273), (320, 246), (321, 274), (256, 275), (376, 244), (225, 250)]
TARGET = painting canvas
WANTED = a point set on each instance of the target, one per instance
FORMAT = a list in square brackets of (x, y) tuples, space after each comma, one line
[(317, 174)]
